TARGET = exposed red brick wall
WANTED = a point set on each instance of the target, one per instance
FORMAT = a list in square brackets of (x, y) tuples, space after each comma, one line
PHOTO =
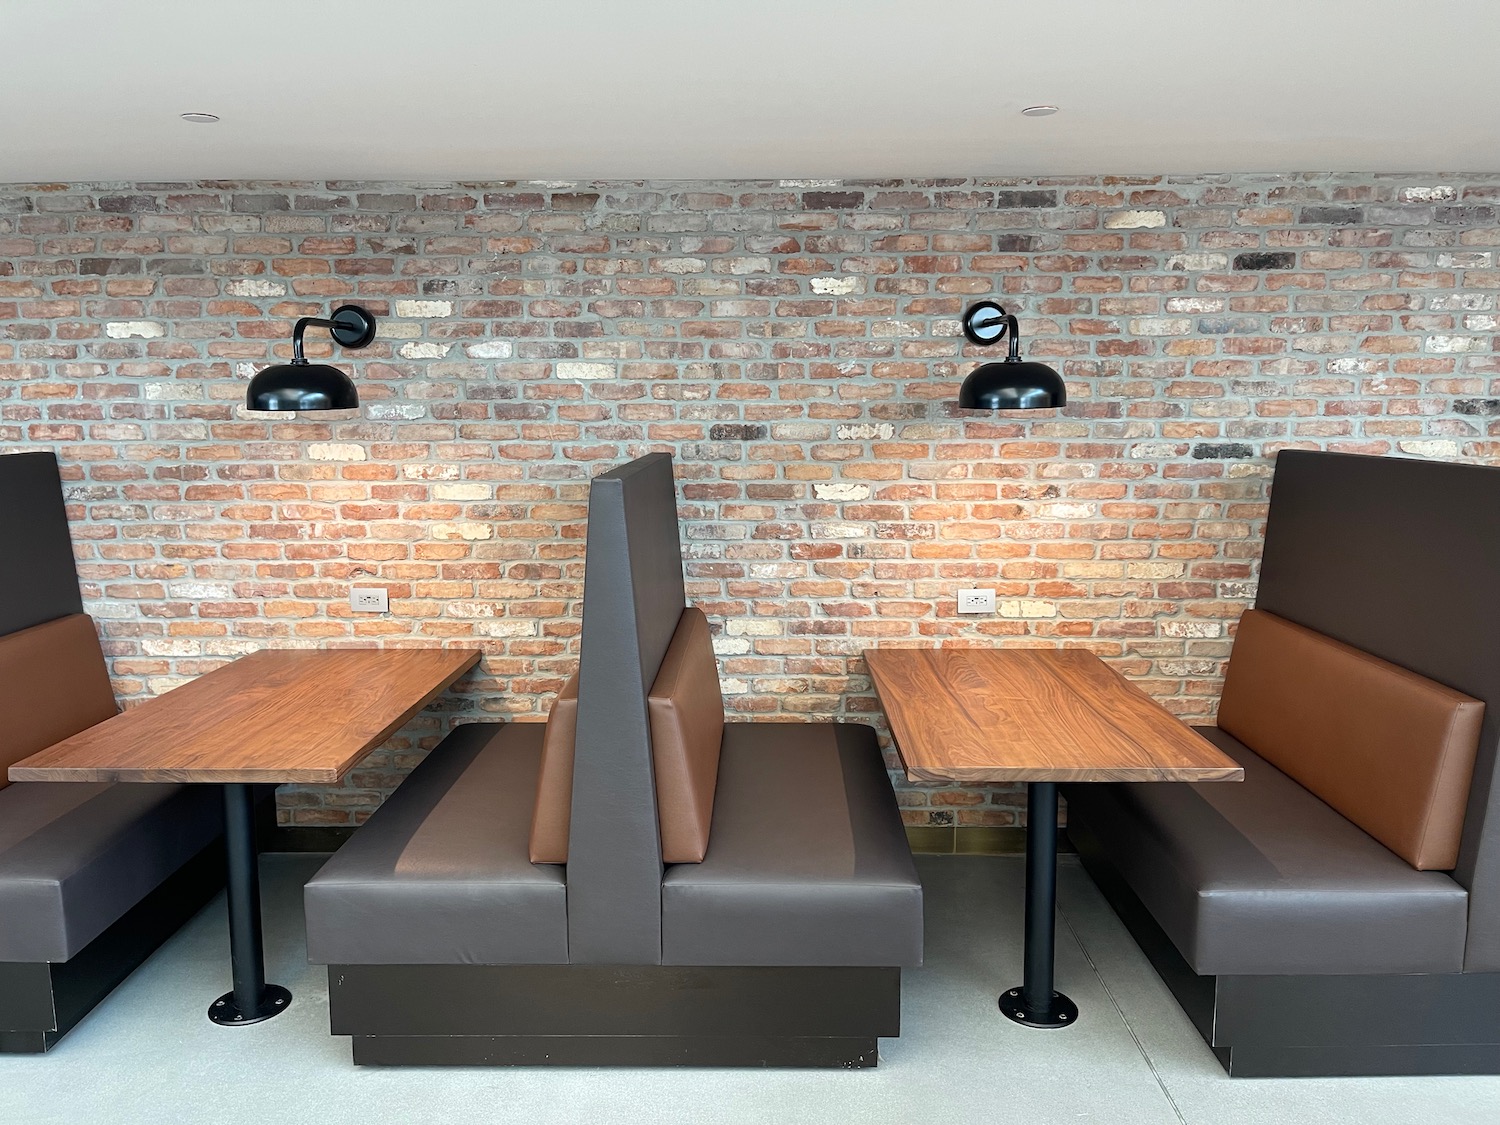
[(795, 345)]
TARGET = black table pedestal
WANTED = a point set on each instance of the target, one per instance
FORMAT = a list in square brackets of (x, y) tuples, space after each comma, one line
[(252, 999), (1036, 1003)]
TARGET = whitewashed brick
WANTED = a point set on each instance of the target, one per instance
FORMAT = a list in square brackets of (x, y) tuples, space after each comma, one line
[(1429, 448), (468, 531), (463, 491), (255, 287), (336, 451), (125, 329), (1198, 262), (490, 349), (835, 530), (424, 308), (577, 370), (837, 286), (1160, 326), (1026, 608), (841, 491), (866, 431), (1457, 344), (1132, 220), (424, 349)]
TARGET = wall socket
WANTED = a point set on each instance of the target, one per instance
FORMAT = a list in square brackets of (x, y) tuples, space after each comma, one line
[(976, 601), (369, 599)]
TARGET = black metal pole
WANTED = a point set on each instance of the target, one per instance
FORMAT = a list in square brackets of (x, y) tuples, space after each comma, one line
[(252, 999), (1036, 1003), (1041, 892)]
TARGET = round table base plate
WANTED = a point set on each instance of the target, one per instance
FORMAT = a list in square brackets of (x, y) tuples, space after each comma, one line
[(1062, 1012), (273, 1001)]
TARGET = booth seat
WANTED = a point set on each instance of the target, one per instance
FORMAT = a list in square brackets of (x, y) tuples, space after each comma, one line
[(638, 882), (1339, 911), (93, 877)]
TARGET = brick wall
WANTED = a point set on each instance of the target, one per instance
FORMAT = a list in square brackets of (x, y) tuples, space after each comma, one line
[(794, 344)]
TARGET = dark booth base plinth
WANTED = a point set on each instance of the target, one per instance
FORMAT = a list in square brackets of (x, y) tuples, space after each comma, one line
[(616, 1050), (597, 1015), (41, 1002), (1317, 1026)]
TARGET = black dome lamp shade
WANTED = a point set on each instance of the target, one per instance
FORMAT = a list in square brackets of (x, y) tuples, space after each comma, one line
[(1013, 383), (300, 385)]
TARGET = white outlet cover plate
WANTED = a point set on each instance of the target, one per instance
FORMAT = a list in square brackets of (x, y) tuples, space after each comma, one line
[(369, 599), (976, 601)]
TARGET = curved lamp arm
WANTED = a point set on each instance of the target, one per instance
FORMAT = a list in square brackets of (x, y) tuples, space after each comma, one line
[(350, 325)]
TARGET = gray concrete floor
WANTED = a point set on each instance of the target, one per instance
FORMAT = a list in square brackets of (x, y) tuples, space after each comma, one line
[(149, 1055)]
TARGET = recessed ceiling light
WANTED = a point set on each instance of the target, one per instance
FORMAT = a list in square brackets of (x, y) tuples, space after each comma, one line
[(1039, 111), (201, 118)]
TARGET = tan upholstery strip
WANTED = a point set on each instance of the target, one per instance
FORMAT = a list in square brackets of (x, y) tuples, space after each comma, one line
[(1389, 749), (53, 684)]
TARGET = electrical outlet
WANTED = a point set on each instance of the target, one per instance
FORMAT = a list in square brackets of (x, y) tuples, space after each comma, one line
[(369, 599), (976, 601)]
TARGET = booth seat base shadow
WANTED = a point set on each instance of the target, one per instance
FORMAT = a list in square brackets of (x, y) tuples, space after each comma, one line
[(601, 1015), (638, 883), (1338, 913)]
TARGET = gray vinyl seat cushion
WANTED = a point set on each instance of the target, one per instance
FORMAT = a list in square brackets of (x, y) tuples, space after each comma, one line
[(1262, 877), (807, 859), (76, 856), (440, 874)]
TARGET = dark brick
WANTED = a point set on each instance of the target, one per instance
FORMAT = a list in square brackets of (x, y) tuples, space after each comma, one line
[(575, 200), (177, 266), (1017, 243), (259, 204), (1464, 216), (1333, 216), (1222, 451), (440, 286), (128, 204), (832, 200), (381, 201), (1007, 199), (515, 201), (1486, 407), (103, 266), (736, 433), (1221, 325), (323, 202), (1266, 260)]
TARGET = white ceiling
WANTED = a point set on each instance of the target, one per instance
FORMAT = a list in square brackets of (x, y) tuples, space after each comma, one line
[(686, 89)]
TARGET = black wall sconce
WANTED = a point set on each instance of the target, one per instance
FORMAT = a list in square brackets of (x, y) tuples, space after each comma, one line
[(300, 385), (1014, 383)]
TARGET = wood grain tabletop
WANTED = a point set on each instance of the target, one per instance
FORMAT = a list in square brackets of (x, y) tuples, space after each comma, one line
[(279, 715), (979, 715)]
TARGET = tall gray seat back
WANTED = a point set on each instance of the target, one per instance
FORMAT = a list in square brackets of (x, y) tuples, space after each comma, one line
[(1401, 558), (38, 578), (632, 598)]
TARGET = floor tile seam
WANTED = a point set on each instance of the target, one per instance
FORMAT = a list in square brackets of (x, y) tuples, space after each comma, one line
[(1124, 1019)]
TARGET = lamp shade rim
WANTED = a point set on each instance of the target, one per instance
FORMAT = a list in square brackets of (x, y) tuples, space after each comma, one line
[(1013, 385), (301, 386)]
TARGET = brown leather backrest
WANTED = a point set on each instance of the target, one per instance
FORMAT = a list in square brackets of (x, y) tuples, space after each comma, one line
[(53, 684), (1389, 749), (687, 729), (686, 708), (554, 788)]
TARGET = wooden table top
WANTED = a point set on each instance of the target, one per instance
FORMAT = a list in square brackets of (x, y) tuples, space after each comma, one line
[(981, 715), (280, 715)]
